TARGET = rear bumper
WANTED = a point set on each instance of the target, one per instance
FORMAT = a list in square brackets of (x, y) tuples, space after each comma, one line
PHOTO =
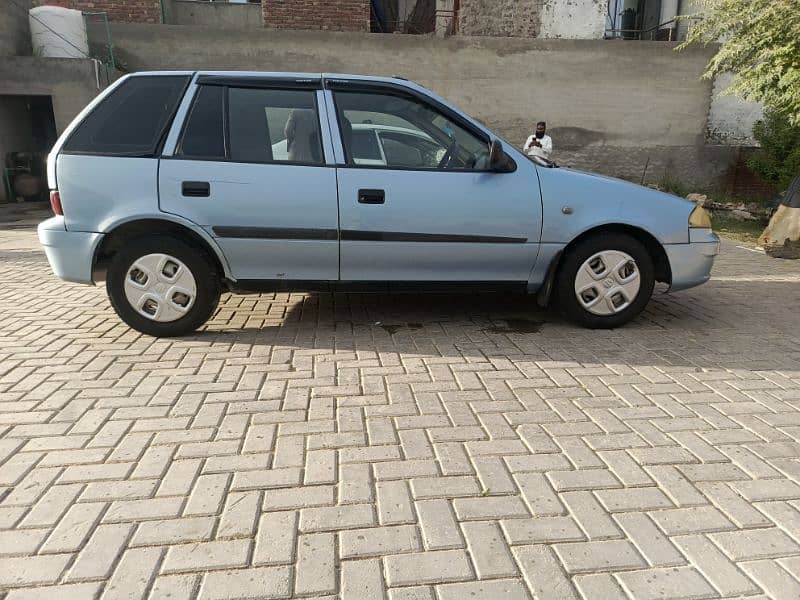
[(691, 263), (70, 253)]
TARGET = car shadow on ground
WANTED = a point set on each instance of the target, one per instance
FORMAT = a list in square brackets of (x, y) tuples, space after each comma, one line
[(747, 325)]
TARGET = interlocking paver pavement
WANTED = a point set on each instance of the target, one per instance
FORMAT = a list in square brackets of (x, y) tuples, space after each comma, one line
[(400, 447)]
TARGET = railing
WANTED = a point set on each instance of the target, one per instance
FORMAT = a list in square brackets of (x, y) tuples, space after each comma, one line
[(670, 29)]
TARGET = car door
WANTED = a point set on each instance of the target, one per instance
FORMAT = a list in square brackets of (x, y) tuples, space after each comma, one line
[(253, 166), (433, 213)]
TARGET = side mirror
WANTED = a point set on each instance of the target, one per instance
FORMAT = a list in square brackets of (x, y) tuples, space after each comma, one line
[(498, 161)]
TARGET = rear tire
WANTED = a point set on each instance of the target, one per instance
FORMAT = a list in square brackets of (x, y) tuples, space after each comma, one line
[(605, 281), (162, 287)]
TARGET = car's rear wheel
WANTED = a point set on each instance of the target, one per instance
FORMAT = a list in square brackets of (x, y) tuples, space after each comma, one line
[(605, 281), (162, 286)]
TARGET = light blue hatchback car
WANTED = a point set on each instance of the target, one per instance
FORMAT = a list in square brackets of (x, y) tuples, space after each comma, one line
[(177, 186)]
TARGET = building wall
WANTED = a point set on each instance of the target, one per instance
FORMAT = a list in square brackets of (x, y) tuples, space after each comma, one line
[(330, 15), (603, 107), (127, 11), (570, 19), (224, 15), (15, 34), (730, 120), (502, 18), (72, 82), (573, 19)]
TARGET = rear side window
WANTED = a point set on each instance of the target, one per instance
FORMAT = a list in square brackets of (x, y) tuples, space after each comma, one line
[(203, 135), (132, 119), (262, 126)]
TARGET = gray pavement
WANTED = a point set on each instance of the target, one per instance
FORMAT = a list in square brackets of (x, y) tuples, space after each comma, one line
[(401, 447)]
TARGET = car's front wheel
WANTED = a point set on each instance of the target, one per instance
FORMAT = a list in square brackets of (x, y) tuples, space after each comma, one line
[(605, 281), (162, 286)]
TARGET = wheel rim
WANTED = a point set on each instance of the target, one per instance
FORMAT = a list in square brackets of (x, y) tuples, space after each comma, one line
[(160, 287), (607, 282)]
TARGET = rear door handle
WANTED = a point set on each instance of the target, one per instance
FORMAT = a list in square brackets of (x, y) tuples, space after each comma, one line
[(371, 196), (196, 189)]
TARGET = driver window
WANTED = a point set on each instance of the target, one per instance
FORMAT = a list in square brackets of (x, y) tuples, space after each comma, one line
[(411, 134)]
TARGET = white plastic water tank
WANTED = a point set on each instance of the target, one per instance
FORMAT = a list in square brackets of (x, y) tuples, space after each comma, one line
[(58, 32)]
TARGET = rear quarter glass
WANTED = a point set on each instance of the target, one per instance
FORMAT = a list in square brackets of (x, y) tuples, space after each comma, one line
[(130, 121)]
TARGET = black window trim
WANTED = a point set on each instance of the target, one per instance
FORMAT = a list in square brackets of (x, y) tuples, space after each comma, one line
[(226, 128), (161, 138), (278, 83), (388, 88)]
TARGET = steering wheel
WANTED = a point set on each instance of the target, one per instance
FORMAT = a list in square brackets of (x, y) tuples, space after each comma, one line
[(448, 156)]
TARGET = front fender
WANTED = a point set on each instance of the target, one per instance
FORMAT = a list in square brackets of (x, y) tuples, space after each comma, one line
[(574, 202)]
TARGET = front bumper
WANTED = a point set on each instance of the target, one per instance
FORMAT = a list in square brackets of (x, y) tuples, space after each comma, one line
[(691, 263), (70, 253)]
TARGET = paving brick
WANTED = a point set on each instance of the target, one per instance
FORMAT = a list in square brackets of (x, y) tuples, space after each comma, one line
[(333, 518), (315, 569), (255, 582), (141, 510), (70, 591), (587, 557), (488, 550), (362, 579), (440, 566), (438, 524), (483, 590), (378, 541), (697, 519), (541, 530), (394, 503), (239, 515), (483, 508), (100, 553), (173, 531), (176, 587), (753, 544), (201, 556), (543, 573), (599, 585), (133, 574), (682, 583), (634, 499), (207, 495), (21, 541), (276, 538), (32, 570), (282, 499)]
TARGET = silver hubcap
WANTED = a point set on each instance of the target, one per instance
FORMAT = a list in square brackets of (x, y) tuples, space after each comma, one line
[(160, 287), (607, 282)]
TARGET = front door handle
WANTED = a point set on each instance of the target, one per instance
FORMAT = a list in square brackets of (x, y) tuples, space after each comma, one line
[(196, 189), (371, 196)]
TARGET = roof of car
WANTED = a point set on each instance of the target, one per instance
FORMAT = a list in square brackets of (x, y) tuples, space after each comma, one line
[(282, 75)]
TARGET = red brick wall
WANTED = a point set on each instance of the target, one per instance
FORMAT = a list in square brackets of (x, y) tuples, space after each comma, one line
[(128, 11), (332, 15)]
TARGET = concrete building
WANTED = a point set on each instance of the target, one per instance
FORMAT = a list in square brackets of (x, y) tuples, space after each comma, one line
[(38, 98), (632, 108)]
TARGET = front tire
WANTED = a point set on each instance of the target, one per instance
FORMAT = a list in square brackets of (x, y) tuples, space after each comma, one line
[(605, 281), (162, 286)]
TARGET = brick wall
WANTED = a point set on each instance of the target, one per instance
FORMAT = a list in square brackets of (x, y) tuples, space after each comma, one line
[(126, 11), (331, 15)]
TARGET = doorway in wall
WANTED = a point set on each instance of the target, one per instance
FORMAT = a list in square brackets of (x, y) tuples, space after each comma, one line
[(27, 132)]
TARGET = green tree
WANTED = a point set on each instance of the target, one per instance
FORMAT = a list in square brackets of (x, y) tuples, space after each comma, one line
[(778, 159), (760, 45)]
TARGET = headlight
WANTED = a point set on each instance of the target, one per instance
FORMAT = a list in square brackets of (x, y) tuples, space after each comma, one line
[(700, 218)]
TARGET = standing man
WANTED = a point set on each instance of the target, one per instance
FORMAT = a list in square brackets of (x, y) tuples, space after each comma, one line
[(539, 144)]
